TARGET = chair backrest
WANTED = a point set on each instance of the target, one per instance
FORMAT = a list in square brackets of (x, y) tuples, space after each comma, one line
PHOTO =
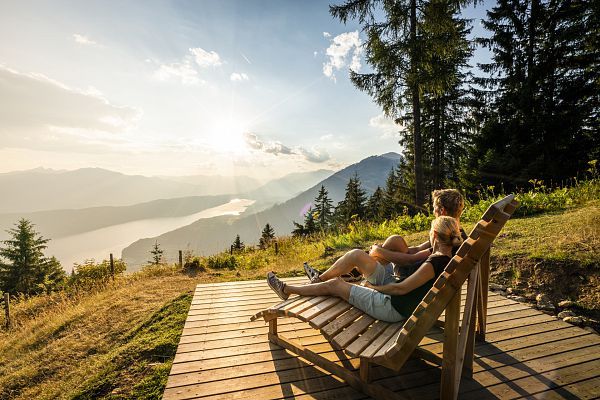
[(453, 277)]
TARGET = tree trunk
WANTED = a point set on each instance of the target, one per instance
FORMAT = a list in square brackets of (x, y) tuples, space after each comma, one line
[(416, 109)]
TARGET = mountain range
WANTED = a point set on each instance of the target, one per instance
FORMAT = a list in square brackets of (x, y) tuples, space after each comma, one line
[(208, 236), (46, 189)]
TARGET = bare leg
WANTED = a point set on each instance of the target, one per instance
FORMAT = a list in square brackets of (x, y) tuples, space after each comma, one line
[(395, 243), (354, 258), (333, 287)]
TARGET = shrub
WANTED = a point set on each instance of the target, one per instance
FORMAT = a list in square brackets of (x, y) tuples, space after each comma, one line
[(90, 273), (222, 261)]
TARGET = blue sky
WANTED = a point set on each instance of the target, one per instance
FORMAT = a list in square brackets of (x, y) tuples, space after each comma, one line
[(255, 88)]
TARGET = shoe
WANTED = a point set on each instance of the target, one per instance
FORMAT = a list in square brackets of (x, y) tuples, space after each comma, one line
[(277, 286), (313, 274), (353, 276)]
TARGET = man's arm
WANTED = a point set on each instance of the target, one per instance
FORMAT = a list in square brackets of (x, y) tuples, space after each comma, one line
[(398, 257), (423, 246), (419, 278)]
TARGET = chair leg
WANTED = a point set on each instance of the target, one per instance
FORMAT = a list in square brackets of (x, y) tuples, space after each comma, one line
[(365, 370), (273, 327), (484, 276), (449, 388)]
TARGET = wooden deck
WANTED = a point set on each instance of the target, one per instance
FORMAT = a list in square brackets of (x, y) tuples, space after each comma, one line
[(222, 355)]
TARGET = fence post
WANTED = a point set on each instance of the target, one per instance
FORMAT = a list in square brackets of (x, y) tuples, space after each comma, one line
[(180, 259), (7, 309), (112, 267), (276, 247)]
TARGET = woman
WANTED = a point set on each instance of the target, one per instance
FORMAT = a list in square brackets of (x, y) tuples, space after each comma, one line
[(381, 296)]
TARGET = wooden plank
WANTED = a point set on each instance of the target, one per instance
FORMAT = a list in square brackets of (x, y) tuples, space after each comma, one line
[(318, 309), (341, 322), (348, 335), (388, 334), (293, 311), (331, 314), (449, 387), (361, 343)]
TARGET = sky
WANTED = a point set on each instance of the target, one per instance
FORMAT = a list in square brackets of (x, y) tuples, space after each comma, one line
[(250, 87)]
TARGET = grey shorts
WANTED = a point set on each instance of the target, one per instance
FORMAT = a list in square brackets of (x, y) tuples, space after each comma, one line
[(374, 303)]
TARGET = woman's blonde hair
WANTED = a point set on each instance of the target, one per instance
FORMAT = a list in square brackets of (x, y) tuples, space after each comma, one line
[(447, 230)]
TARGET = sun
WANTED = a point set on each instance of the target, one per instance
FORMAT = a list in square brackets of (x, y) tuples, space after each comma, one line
[(227, 136)]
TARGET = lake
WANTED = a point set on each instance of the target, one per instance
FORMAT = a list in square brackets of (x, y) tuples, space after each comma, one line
[(99, 243)]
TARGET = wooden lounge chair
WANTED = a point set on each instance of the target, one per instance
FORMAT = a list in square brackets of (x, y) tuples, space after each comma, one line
[(391, 344)]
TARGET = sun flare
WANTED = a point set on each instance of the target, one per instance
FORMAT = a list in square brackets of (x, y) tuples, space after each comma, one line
[(228, 137)]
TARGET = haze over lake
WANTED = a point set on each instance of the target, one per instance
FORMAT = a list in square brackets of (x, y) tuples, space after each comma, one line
[(99, 243)]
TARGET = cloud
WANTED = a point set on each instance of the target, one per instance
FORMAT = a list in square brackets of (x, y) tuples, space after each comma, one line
[(186, 70), (386, 126), (326, 34), (277, 148), (82, 39), (46, 114), (205, 58), (314, 155), (182, 71), (238, 77), (345, 50)]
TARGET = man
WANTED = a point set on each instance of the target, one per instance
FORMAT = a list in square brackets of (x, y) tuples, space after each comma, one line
[(395, 253)]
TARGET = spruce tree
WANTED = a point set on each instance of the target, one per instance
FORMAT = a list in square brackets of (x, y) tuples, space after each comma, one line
[(393, 50), (376, 206), (323, 209), (24, 268), (354, 203), (267, 236), (238, 244), (310, 226), (538, 104), (157, 253)]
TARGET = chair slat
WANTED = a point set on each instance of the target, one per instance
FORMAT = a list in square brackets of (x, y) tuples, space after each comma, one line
[(323, 319), (382, 339), (336, 326), (306, 305), (319, 308), (353, 331), (361, 343)]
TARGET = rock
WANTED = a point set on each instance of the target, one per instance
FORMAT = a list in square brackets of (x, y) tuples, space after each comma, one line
[(510, 290), (546, 307), (574, 320), (590, 329), (542, 298), (566, 304), (520, 299), (565, 314), (495, 286)]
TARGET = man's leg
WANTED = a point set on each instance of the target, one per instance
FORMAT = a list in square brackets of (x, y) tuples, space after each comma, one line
[(354, 258), (395, 243), (333, 287)]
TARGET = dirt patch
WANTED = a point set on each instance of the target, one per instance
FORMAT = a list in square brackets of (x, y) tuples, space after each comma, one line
[(557, 279)]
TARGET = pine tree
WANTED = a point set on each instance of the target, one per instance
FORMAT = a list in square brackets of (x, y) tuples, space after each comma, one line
[(25, 269), (323, 209), (354, 204), (538, 104), (376, 206), (238, 244), (298, 230), (267, 236), (157, 254), (310, 226), (393, 50)]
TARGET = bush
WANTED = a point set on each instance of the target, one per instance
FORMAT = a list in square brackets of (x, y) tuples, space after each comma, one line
[(193, 266), (222, 261), (90, 274)]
